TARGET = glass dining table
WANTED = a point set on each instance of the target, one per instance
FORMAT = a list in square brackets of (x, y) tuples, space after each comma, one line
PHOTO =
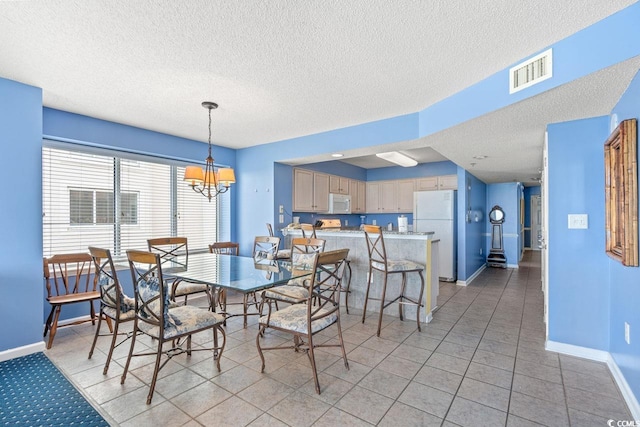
[(245, 275)]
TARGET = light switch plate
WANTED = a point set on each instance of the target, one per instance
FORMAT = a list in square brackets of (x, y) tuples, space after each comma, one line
[(578, 221)]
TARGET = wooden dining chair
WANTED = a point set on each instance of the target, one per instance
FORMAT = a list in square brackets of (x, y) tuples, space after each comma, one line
[(176, 251), (115, 306), (69, 279), (319, 311), (379, 262), (156, 319)]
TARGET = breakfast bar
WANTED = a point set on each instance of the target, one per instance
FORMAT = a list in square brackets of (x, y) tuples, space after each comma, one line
[(417, 247)]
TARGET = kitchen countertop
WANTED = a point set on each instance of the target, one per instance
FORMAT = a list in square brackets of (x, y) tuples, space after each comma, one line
[(350, 231)]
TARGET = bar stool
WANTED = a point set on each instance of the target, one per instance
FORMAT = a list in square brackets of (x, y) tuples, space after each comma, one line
[(378, 261)]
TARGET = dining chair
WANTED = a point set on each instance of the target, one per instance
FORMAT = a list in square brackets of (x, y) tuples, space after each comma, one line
[(378, 261), (170, 249), (69, 279), (225, 248), (319, 311), (264, 248), (308, 230), (115, 306), (280, 253), (156, 319), (295, 291)]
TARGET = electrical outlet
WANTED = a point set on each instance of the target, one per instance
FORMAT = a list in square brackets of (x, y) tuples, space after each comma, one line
[(480, 251), (281, 219), (374, 222), (281, 208), (627, 333), (346, 222)]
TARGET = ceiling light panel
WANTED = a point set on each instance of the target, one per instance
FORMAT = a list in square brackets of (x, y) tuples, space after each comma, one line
[(398, 159)]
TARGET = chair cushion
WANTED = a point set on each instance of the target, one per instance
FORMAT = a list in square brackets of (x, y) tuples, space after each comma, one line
[(398, 265), (124, 315), (188, 288), (109, 296), (149, 289), (187, 318), (294, 318), (288, 293), (283, 254)]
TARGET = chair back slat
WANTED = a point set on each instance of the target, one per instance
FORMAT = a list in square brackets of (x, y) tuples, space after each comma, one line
[(151, 293), (375, 244), (308, 230), (168, 247), (111, 294), (328, 281), (68, 274), (307, 245), (225, 248), (265, 247)]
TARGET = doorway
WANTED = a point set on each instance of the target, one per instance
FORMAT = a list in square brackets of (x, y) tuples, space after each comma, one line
[(536, 222)]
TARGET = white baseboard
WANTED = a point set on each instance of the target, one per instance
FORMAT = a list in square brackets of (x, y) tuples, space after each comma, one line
[(601, 356), (12, 353), (577, 351), (627, 393), (473, 276)]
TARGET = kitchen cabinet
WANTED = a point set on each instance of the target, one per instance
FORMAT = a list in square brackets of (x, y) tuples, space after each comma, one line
[(405, 195), (358, 192), (310, 191), (390, 196), (442, 182), (448, 182), (428, 183), (338, 184)]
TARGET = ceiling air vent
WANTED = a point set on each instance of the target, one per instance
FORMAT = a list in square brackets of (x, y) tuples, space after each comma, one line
[(531, 72)]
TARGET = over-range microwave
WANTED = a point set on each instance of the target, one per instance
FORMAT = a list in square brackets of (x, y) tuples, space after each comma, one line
[(339, 204)]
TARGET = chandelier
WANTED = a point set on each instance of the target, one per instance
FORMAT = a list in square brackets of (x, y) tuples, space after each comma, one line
[(208, 181)]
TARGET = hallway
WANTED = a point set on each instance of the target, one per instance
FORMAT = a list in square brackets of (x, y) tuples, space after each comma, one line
[(480, 362)]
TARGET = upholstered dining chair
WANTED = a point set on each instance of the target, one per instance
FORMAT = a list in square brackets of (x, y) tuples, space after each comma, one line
[(155, 318), (319, 311), (225, 248), (280, 253), (379, 262), (69, 279), (169, 249), (115, 306), (295, 291)]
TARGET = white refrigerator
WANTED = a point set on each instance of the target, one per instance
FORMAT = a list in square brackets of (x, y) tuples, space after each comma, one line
[(436, 211)]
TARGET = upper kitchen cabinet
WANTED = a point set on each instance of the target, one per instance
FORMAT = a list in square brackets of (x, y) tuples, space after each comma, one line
[(358, 192), (310, 191), (390, 196), (405, 195), (443, 182), (338, 184)]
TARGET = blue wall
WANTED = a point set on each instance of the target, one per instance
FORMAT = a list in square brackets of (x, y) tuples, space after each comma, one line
[(625, 281), (21, 282), (472, 255), (578, 265)]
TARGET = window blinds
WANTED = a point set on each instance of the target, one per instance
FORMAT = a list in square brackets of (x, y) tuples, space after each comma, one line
[(115, 200)]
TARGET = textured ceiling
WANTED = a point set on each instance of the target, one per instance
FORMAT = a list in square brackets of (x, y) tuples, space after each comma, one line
[(283, 69)]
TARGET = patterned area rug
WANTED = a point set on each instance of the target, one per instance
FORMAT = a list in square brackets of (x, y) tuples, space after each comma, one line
[(34, 393)]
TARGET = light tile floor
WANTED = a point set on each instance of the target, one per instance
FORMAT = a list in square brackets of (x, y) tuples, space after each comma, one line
[(480, 362)]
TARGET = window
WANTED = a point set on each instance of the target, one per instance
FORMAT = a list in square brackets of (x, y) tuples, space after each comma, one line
[(94, 197), (90, 207), (621, 190)]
